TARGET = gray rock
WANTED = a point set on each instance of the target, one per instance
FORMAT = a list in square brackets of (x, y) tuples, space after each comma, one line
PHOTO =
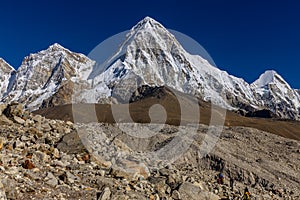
[(46, 127), (190, 191), (105, 195), (71, 178), (19, 144), (51, 180), (24, 138), (42, 156)]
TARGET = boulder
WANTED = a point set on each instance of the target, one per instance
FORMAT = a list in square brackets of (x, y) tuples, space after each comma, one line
[(189, 191), (130, 170), (19, 120), (105, 195)]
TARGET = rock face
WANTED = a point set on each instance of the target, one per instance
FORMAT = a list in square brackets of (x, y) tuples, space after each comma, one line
[(40, 159), (7, 74), (261, 114), (149, 56), (47, 74)]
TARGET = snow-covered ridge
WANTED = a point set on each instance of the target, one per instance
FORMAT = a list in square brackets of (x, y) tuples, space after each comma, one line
[(277, 95), (41, 75), (5, 65), (151, 55), (269, 77)]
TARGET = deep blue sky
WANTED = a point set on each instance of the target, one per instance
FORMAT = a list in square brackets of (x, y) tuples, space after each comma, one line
[(243, 37)]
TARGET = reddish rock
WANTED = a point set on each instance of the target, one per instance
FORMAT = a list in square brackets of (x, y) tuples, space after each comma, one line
[(86, 157), (28, 165)]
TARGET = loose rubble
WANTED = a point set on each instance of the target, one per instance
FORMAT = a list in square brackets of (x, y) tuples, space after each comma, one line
[(46, 159)]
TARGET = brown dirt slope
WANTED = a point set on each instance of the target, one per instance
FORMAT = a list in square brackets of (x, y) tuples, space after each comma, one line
[(139, 112)]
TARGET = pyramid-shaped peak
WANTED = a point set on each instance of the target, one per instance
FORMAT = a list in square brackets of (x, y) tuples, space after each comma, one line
[(52, 49), (150, 29), (56, 46), (268, 77), (147, 18), (147, 22)]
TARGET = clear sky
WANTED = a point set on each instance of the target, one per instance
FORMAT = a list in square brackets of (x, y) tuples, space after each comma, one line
[(244, 38)]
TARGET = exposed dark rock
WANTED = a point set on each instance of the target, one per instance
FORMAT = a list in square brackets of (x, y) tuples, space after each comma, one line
[(261, 114)]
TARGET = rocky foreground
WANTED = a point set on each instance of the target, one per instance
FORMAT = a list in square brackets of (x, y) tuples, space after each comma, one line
[(45, 159)]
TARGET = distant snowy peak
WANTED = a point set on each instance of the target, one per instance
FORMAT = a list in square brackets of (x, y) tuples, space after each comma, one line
[(277, 95), (42, 74), (58, 57), (148, 56), (269, 77), (147, 22)]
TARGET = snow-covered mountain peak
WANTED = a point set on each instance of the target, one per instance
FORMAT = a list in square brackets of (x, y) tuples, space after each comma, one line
[(277, 95), (147, 19), (146, 23), (149, 29), (56, 56), (146, 42), (57, 47), (42, 74), (155, 57), (54, 51), (269, 77), (148, 56)]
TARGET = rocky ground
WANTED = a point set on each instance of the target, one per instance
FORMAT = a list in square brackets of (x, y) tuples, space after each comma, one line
[(46, 159)]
